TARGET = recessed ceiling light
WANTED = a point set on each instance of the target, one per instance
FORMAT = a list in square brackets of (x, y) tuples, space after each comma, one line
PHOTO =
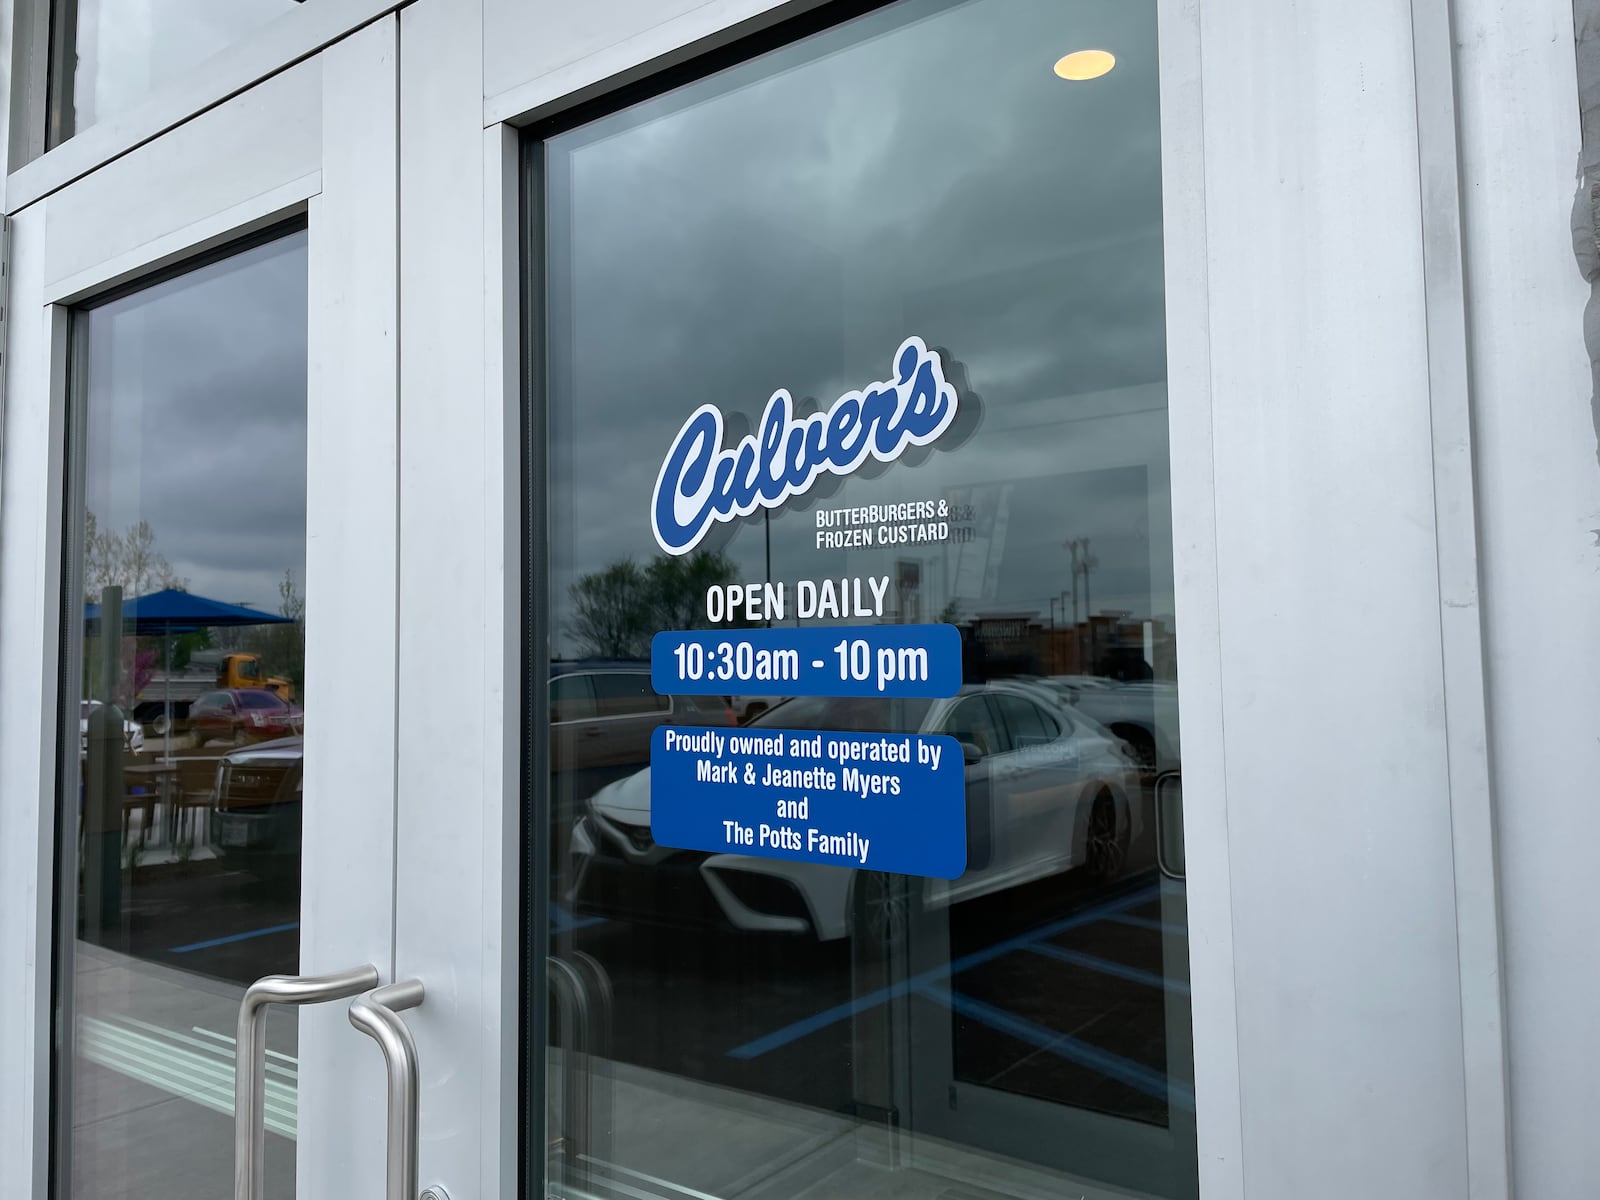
[(1085, 64)]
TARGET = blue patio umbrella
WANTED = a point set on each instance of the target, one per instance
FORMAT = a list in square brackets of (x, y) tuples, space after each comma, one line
[(173, 611), (169, 611)]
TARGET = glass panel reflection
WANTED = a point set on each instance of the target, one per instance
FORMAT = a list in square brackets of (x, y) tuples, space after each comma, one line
[(110, 53), (186, 677), (740, 1023)]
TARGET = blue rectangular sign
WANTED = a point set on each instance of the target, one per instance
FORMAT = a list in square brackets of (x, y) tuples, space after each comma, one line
[(881, 802), (863, 660)]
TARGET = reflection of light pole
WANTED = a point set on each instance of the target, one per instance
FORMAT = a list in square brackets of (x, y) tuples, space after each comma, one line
[(1052, 614), (766, 524), (1088, 607), (1082, 562)]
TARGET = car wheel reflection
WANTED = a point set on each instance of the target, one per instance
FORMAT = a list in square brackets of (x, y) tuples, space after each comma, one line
[(1106, 846), (879, 911)]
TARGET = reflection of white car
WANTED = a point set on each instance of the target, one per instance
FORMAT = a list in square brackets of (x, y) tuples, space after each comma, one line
[(1047, 790), (1143, 713), (132, 731)]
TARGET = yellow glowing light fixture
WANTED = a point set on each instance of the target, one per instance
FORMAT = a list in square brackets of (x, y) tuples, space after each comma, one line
[(1085, 64)]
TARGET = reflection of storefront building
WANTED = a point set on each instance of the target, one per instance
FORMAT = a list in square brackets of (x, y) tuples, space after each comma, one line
[(648, 559)]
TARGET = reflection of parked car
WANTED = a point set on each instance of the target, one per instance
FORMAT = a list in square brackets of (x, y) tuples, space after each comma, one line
[(1047, 790), (602, 715), (157, 715), (132, 732), (748, 708), (1143, 713), (256, 809), (241, 715)]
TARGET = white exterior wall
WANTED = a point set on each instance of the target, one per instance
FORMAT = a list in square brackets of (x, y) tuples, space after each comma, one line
[(1335, 791)]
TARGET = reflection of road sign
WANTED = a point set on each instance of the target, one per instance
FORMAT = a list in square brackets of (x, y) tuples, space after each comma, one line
[(908, 589), (1000, 631), (977, 567)]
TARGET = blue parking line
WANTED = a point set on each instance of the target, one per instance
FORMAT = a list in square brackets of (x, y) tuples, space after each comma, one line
[(234, 937), (1106, 967), (839, 1012), (564, 922), (1135, 1075), (1150, 923)]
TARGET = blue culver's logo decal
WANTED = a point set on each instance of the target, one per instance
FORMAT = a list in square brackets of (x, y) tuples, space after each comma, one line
[(702, 483)]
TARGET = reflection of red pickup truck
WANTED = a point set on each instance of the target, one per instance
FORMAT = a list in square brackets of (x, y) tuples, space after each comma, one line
[(241, 715)]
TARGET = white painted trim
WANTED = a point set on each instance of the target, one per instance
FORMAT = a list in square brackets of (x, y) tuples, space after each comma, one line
[(1218, 1113), (259, 212), (455, 801), (639, 56), (30, 565), (502, 628), (281, 43), (352, 552), (1461, 633)]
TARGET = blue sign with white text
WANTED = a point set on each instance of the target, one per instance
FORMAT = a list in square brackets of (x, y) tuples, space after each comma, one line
[(866, 660), (880, 802)]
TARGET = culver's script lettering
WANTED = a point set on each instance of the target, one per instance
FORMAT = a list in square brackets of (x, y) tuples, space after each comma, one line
[(703, 483)]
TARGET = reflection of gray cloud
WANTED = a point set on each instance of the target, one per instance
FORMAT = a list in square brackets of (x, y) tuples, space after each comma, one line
[(126, 47), (197, 420), (787, 223)]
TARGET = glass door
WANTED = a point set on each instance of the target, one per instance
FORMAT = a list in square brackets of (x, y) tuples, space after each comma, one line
[(223, 308), (852, 639)]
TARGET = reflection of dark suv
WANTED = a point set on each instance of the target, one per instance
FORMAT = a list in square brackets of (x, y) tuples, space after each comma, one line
[(255, 811), (602, 716)]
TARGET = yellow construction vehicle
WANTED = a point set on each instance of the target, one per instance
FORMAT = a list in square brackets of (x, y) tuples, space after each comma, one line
[(243, 670)]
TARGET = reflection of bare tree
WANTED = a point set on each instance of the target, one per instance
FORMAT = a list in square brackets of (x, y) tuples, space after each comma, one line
[(128, 560), (1586, 246), (617, 609), (282, 647), (129, 564), (1586, 204)]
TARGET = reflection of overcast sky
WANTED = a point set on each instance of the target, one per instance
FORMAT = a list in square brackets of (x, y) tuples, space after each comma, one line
[(197, 420), (127, 47), (787, 223)]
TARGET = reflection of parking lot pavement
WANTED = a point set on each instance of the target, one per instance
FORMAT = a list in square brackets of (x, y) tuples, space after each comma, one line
[(153, 1082), (1053, 990), (1074, 1015), (202, 918)]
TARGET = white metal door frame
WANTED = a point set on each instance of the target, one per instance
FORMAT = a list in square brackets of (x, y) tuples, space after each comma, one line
[(318, 141)]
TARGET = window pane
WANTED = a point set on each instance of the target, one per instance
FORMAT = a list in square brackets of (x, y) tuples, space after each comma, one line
[(109, 53), (189, 488), (771, 239)]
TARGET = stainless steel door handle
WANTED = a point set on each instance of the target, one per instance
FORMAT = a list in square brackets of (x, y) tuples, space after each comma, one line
[(250, 1059), (376, 1014), (1169, 825)]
